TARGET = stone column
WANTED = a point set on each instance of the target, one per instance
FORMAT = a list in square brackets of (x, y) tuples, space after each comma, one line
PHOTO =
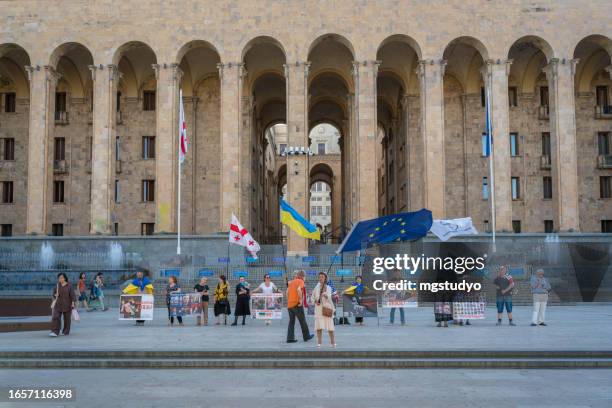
[(496, 82), (43, 82), (405, 135), (366, 185), (230, 76), (168, 78), (560, 75), (298, 191), (431, 76), (104, 123), (348, 157)]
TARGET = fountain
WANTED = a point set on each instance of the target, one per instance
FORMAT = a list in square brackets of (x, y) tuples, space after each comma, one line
[(552, 249), (116, 255), (46, 256)]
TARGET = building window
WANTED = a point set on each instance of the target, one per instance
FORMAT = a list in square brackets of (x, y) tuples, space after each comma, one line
[(485, 188), (148, 190), (10, 102), (7, 192), (605, 187), (58, 191), (516, 226), (514, 144), (117, 148), (282, 148), (548, 226), (118, 101), (482, 96), (147, 228), (59, 148), (148, 100), (603, 143), (602, 96), (512, 96), (148, 147), (117, 191), (547, 188), (60, 102), (7, 230), (57, 230), (116, 228), (606, 226), (484, 143), (516, 188), (543, 96), (487, 227), (321, 148), (546, 144), (8, 152)]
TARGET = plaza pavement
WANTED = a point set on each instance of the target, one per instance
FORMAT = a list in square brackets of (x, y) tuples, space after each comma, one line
[(576, 328)]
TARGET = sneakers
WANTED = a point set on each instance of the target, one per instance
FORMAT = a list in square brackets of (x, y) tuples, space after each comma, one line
[(309, 337), (533, 324), (511, 323), (498, 323), (52, 334), (542, 324), (292, 341)]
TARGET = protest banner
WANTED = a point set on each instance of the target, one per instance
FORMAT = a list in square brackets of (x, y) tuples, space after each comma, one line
[(399, 298), (183, 304), (267, 306), (469, 306), (360, 305), (136, 307)]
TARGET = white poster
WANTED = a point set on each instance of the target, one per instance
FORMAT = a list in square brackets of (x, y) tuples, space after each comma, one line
[(136, 307)]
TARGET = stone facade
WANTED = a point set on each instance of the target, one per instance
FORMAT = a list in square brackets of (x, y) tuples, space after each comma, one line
[(418, 81)]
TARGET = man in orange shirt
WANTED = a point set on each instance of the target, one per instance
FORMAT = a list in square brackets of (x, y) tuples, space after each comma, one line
[(295, 307)]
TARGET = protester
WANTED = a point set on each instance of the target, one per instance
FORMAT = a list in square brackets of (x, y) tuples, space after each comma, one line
[(203, 288), (443, 309), (295, 307), (359, 289), (172, 288), (267, 287), (396, 277), (139, 285), (82, 296), (243, 296), (222, 306), (540, 289), (324, 310), (504, 284), (64, 300)]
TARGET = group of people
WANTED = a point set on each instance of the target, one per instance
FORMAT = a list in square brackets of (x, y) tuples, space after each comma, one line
[(65, 299)]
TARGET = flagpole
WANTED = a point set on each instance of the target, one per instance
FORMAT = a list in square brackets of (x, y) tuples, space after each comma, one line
[(180, 165), (491, 167)]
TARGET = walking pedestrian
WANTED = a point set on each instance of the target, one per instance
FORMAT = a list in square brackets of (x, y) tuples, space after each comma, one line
[(64, 300), (295, 307)]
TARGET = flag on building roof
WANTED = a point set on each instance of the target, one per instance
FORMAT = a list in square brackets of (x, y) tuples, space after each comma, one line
[(238, 235), (183, 142), (446, 229), (397, 227), (292, 219)]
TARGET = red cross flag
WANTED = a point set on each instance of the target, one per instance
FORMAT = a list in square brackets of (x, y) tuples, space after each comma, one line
[(238, 235), (182, 131)]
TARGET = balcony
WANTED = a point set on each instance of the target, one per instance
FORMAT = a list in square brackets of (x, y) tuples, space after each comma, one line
[(61, 118), (118, 166), (604, 161), (603, 112), (544, 112), (59, 166), (545, 162)]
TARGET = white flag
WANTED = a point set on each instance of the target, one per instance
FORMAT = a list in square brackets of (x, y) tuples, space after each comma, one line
[(183, 142), (446, 229), (238, 235)]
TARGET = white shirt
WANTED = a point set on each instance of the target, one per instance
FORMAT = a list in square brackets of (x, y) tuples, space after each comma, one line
[(267, 290)]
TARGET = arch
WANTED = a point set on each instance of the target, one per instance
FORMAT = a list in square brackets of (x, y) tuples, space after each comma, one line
[(72, 61), (13, 60), (66, 49), (193, 45), (465, 56), (529, 54), (467, 41), (129, 47), (331, 37), (261, 40), (594, 54), (535, 41), (402, 38)]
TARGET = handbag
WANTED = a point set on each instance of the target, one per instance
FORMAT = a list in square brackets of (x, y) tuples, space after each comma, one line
[(327, 311), (54, 301), (75, 315)]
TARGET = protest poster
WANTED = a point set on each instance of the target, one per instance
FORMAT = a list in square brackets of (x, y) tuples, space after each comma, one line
[(183, 304), (360, 305), (267, 306), (469, 306), (136, 307), (399, 298)]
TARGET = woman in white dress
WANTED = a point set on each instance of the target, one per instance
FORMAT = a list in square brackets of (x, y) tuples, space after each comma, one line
[(322, 297)]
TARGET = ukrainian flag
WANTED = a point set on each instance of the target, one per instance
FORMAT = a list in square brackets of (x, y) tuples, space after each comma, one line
[(137, 286), (297, 223)]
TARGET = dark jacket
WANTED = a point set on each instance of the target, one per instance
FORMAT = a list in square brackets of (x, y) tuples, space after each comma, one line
[(65, 299)]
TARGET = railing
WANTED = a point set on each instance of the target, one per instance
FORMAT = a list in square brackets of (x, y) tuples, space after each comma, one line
[(545, 162), (603, 112), (543, 112), (61, 118), (604, 161), (59, 166)]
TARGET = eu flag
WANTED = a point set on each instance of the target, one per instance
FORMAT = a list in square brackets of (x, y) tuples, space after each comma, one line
[(397, 227)]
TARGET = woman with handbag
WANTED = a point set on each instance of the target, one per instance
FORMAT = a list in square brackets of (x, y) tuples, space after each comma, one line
[(324, 310), (222, 306), (63, 302)]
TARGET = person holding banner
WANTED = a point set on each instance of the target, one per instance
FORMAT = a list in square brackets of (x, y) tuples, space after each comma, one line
[(324, 310), (243, 295), (172, 288), (141, 284), (202, 288), (396, 278), (222, 306), (267, 287)]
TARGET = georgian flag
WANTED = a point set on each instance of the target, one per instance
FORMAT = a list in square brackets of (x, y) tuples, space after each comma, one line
[(238, 235), (182, 131)]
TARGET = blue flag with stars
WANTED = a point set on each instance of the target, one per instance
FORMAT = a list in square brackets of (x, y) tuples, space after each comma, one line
[(397, 227)]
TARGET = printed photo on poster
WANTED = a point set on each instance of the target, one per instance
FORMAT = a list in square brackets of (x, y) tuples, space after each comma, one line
[(360, 306), (267, 306), (469, 306), (136, 307), (399, 298), (183, 304)]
